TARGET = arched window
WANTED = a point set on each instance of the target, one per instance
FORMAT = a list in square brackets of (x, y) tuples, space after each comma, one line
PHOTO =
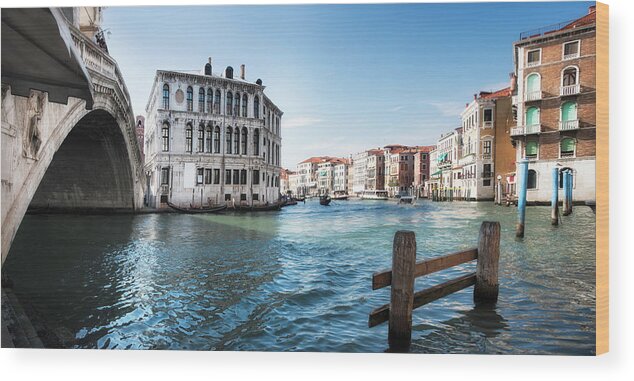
[(229, 108), (531, 149), (569, 76), (256, 142), (201, 100), (532, 116), (532, 179), (244, 140), (208, 140), (236, 107), (166, 96), (188, 138), (245, 102), (217, 140), (201, 138), (165, 132), (561, 175), (236, 141), (190, 99), (256, 107), (533, 87), (568, 111), (210, 100), (217, 102), (229, 139), (567, 147)]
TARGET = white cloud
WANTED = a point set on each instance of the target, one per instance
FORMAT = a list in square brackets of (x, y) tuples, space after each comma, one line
[(448, 108), (299, 122)]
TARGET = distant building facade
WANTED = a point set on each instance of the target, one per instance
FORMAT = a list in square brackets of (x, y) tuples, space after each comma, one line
[(421, 169), (212, 139)]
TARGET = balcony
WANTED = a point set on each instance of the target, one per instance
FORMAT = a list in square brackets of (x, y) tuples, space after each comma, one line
[(526, 130), (569, 125), (486, 156), (487, 124), (486, 175), (533, 96), (569, 90), (571, 56)]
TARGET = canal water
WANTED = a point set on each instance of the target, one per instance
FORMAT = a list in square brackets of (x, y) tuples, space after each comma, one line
[(300, 279)]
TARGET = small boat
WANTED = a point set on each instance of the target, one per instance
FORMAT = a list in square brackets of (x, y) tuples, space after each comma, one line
[(405, 200), (340, 196), (191, 210), (374, 195), (299, 199), (258, 208), (324, 200), (289, 203)]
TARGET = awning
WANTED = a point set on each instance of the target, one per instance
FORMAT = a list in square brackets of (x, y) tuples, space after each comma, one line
[(436, 173), (38, 53), (442, 157)]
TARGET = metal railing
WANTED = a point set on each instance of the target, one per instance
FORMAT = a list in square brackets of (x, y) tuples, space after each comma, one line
[(526, 130), (570, 90), (567, 125), (544, 30), (533, 96)]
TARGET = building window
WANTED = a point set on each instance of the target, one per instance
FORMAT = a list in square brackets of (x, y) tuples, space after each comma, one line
[(227, 176), (165, 175), (532, 116), (531, 149), (190, 99), (569, 111), (188, 138), (208, 176), (229, 139), (569, 77), (216, 176), (236, 176), (534, 57), (486, 182), (236, 141), (166, 97), (256, 107), (571, 50), (487, 116), (165, 132), (567, 147), (533, 87), (201, 138), (245, 102), (229, 108), (256, 177), (217, 139), (217, 102), (199, 175), (244, 140), (227, 196), (236, 108), (256, 142), (532, 179), (256, 197), (208, 140), (210, 100), (486, 147), (243, 196), (243, 177), (201, 100)]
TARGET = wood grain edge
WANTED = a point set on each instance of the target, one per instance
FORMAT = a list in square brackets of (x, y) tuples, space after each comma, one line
[(602, 181)]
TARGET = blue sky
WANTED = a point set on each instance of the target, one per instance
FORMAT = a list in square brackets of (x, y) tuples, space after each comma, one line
[(348, 77)]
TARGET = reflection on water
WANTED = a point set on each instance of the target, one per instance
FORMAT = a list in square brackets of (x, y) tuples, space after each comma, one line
[(299, 280)]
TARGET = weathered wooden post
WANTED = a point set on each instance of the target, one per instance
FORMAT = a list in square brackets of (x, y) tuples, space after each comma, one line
[(487, 284), (554, 201), (522, 184), (402, 293)]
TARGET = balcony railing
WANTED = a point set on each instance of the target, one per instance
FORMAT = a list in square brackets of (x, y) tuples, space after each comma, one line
[(487, 124), (526, 130), (571, 56), (567, 125), (570, 90), (486, 156), (533, 96)]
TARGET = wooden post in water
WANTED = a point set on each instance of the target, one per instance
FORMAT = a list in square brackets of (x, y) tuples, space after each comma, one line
[(567, 200), (570, 183), (487, 284), (402, 293), (522, 184), (554, 201)]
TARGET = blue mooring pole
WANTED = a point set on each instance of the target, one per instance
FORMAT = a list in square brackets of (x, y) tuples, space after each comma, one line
[(554, 201), (570, 192), (522, 184), (567, 200)]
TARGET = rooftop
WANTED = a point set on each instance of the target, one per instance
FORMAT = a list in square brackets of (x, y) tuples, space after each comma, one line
[(588, 19)]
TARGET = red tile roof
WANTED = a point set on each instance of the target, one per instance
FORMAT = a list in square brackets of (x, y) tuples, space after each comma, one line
[(506, 92), (588, 19)]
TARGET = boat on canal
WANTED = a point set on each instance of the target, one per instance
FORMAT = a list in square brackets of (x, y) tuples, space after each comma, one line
[(340, 195), (406, 200), (324, 200), (258, 208), (199, 210), (374, 195)]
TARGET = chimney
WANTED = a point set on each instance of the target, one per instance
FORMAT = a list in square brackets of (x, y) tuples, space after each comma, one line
[(242, 71), (592, 9), (513, 80)]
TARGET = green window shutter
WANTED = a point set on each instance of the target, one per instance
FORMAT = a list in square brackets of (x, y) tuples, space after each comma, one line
[(531, 149), (532, 83), (569, 111), (532, 116), (567, 145)]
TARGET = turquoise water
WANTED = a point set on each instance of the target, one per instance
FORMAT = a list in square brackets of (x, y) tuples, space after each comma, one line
[(300, 279)]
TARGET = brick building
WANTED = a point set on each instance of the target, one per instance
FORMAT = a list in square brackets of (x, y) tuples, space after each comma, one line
[(421, 169), (556, 105)]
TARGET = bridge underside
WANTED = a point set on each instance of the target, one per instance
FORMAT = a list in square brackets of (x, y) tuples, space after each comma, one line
[(90, 172)]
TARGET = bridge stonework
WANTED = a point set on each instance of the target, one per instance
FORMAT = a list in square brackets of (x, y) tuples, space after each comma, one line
[(64, 158)]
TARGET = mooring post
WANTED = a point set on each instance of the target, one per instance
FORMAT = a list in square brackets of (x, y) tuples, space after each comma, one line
[(570, 186), (567, 200), (402, 293), (554, 201), (522, 184), (487, 284)]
